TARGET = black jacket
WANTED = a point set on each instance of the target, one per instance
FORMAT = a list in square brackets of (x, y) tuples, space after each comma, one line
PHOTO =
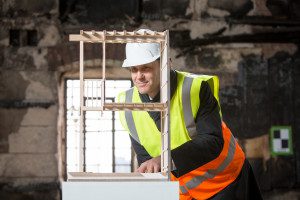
[(206, 146)]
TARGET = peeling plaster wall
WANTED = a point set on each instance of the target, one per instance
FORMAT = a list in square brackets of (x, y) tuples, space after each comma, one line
[(252, 45), (28, 102)]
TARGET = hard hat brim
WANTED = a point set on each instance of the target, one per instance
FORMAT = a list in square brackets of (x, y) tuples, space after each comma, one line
[(131, 63)]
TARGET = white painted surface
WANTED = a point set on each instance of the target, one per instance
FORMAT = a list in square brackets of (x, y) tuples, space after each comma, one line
[(120, 190), (115, 177)]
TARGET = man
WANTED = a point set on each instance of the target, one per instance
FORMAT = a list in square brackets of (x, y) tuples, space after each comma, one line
[(209, 164)]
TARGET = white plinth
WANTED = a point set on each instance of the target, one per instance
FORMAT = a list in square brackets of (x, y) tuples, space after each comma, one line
[(125, 190)]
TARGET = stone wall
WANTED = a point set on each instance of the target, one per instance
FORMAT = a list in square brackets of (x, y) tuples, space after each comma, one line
[(28, 101)]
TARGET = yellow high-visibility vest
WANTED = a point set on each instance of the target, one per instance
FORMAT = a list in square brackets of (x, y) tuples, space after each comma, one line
[(184, 106), (208, 179)]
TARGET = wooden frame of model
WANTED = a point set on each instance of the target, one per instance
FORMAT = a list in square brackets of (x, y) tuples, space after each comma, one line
[(163, 106)]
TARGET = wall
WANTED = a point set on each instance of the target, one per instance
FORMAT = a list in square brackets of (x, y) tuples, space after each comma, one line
[(28, 101)]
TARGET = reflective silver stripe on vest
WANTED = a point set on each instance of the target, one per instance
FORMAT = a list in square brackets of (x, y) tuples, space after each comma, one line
[(129, 116), (182, 189), (194, 182), (187, 107)]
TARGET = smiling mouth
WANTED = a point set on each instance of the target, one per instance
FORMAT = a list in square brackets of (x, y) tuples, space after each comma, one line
[(142, 84)]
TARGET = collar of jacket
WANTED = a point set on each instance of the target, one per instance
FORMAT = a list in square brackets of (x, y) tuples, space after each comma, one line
[(173, 76)]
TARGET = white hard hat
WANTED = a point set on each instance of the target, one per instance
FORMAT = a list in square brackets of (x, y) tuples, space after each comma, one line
[(141, 53)]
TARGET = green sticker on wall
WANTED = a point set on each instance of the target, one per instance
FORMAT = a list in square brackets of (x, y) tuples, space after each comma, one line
[(281, 140)]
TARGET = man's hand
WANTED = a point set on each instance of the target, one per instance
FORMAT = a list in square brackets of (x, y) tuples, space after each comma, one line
[(150, 166)]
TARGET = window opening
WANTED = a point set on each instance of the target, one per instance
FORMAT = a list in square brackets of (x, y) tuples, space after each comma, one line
[(32, 39), (107, 146), (20, 38), (14, 37)]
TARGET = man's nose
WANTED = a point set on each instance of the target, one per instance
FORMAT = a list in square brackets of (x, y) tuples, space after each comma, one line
[(140, 74)]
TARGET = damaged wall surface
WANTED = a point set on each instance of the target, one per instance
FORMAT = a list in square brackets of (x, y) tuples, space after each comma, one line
[(252, 45)]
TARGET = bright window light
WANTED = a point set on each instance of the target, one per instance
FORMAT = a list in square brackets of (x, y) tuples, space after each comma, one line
[(107, 145)]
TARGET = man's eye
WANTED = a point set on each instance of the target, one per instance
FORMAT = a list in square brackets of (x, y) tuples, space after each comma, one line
[(133, 70), (146, 68)]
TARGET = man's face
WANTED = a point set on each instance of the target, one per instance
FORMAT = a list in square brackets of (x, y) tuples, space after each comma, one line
[(147, 78)]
